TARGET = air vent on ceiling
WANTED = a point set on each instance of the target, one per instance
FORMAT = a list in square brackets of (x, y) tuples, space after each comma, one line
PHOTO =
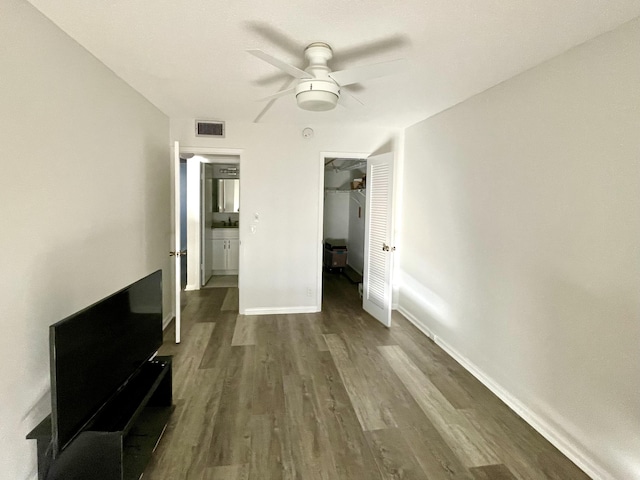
[(209, 129)]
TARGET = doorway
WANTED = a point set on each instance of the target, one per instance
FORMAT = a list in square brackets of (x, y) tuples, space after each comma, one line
[(210, 233), (344, 213), (374, 214)]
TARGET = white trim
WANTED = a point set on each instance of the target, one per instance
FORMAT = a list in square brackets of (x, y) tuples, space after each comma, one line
[(211, 150), (280, 310), (556, 437), (415, 321), (189, 287)]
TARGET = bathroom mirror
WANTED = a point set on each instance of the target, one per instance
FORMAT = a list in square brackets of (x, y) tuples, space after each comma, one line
[(226, 195)]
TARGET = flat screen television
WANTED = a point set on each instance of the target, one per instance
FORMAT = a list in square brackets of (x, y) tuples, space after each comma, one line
[(96, 350)]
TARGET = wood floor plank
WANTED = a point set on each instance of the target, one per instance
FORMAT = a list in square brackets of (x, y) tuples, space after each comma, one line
[(271, 457), (310, 443), (218, 349), (492, 472), (245, 330), (373, 413), (300, 344), (380, 399), (433, 453), (458, 432), (231, 436), (230, 302), (393, 456), (314, 321), (441, 369), (351, 453), (268, 392), (203, 305), (227, 472)]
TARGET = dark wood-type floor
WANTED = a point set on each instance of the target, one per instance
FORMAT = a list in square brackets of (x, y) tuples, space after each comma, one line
[(332, 395)]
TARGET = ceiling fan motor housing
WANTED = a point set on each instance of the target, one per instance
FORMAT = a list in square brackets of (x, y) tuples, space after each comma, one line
[(320, 93)]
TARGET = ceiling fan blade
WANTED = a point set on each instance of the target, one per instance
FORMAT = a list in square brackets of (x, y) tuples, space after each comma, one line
[(376, 47), (272, 101), (264, 111), (279, 94), (275, 36), (347, 100), (284, 66), (366, 72)]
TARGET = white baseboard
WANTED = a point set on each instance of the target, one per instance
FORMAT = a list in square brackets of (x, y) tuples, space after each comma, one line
[(188, 287), (280, 310), (416, 322), (556, 437)]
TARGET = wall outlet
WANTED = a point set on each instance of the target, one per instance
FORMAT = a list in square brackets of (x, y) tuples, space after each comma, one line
[(309, 292)]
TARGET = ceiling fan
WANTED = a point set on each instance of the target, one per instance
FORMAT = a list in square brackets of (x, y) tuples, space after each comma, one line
[(318, 88)]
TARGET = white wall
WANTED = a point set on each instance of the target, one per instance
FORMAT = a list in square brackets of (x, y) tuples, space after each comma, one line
[(339, 211), (336, 204), (84, 203), (281, 178), (336, 215), (520, 244), (357, 214)]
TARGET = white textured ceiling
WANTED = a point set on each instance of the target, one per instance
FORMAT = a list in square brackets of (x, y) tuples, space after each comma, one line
[(188, 57)]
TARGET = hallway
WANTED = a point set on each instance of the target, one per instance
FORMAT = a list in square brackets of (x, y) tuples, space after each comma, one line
[(332, 395)]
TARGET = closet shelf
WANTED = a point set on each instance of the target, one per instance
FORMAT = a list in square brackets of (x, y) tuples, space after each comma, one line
[(344, 190)]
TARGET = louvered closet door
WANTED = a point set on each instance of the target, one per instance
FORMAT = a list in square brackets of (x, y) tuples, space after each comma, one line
[(378, 252)]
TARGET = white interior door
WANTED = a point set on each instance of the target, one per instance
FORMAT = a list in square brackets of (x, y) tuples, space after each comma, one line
[(175, 250), (207, 218), (206, 194), (378, 252)]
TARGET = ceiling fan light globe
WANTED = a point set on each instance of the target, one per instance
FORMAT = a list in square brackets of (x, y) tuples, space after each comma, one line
[(317, 95), (317, 101)]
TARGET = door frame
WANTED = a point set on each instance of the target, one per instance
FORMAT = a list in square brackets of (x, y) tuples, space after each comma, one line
[(323, 157), (195, 244)]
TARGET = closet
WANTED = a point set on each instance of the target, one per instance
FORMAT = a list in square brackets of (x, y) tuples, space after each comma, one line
[(344, 213)]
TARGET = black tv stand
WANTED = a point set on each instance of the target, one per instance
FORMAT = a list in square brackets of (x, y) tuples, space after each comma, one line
[(118, 442)]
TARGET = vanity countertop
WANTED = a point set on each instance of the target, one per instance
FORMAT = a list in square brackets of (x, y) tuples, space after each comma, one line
[(224, 225)]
